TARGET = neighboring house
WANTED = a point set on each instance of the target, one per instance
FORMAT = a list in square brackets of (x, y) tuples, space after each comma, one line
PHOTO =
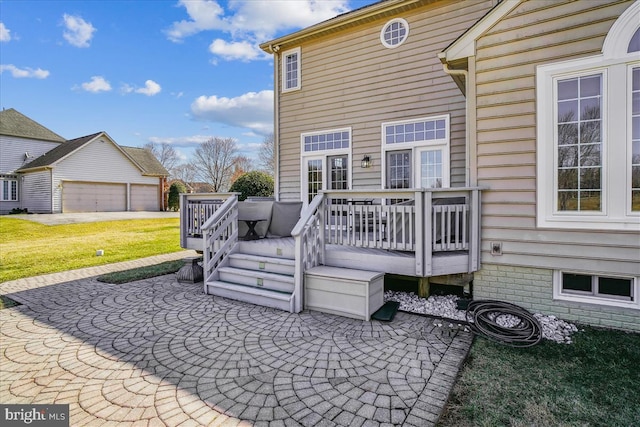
[(535, 102), (21, 141), (87, 174)]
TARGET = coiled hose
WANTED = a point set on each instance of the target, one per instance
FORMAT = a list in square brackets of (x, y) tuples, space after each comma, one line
[(483, 315)]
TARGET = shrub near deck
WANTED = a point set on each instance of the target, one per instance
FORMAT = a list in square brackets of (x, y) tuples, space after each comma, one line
[(29, 249)]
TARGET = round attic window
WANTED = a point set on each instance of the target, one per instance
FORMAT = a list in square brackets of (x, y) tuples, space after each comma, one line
[(394, 33)]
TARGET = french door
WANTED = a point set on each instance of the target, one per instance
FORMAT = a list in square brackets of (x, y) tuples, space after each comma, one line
[(325, 172)]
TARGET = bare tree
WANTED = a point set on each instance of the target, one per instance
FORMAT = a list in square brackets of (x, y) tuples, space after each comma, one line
[(214, 162), (165, 153), (241, 165), (186, 173), (266, 155)]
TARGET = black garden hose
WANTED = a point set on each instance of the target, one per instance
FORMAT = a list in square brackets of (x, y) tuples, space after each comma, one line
[(482, 315)]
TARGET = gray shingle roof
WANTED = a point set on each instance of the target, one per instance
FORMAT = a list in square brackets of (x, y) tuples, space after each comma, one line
[(14, 123), (146, 160), (59, 152)]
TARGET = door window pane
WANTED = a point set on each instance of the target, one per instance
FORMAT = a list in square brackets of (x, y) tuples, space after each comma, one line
[(431, 169), (314, 178), (399, 169)]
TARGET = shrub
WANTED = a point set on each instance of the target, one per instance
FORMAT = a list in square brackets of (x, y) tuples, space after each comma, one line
[(254, 183), (174, 195)]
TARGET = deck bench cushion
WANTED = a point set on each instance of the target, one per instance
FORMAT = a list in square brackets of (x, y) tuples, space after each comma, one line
[(284, 217)]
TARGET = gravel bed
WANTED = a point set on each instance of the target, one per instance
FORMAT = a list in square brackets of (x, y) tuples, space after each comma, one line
[(553, 329)]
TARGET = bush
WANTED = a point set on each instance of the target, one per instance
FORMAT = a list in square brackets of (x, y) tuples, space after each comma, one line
[(253, 183), (174, 195)]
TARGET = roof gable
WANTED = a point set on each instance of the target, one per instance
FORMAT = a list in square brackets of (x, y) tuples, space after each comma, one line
[(146, 160), (14, 123), (465, 45), (60, 152)]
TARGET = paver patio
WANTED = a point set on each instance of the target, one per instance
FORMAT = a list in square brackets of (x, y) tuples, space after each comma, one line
[(158, 352)]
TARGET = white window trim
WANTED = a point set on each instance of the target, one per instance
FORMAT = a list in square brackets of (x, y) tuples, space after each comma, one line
[(323, 155), (444, 144), (384, 27), (614, 215), (2, 195), (283, 67), (559, 295)]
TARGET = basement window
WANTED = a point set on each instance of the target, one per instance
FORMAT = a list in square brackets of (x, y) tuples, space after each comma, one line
[(606, 290)]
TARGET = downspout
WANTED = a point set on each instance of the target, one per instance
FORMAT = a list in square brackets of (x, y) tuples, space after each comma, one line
[(467, 133), (276, 120)]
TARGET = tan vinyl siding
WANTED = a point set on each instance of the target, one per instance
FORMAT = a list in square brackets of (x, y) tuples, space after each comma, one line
[(536, 32), (351, 80)]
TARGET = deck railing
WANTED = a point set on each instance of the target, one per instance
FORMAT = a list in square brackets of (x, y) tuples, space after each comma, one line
[(309, 235), (195, 210), (425, 222), (220, 234)]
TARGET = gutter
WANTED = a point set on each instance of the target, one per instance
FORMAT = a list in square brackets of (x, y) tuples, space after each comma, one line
[(467, 130)]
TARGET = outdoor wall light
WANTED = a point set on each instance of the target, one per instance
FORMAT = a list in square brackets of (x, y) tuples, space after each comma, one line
[(365, 162)]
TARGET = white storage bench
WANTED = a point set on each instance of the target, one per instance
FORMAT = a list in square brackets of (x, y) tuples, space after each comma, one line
[(344, 291)]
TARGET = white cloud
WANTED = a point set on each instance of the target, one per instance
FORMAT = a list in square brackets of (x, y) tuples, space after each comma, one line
[(150, 88), (5, 33), (78, 32), (204, 15), (97, 84), (20, 73), (252, 110), (250, 22), (263, 19), (244, 51), (181, 141)]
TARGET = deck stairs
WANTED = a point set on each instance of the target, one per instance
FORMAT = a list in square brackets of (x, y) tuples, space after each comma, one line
[(257, 274)]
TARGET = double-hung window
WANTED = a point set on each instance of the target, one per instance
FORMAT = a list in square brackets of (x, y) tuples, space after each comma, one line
[(291, 79), (416, 153), (8, 190), (588, 136)]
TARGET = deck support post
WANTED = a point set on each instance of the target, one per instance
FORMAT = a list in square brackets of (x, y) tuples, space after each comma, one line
[(423, 287)]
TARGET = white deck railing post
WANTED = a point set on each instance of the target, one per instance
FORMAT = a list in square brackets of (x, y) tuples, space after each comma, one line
[(474, 232)]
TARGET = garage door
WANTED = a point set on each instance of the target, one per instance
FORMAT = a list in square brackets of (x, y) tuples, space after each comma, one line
[(145, 197), (93, 197)]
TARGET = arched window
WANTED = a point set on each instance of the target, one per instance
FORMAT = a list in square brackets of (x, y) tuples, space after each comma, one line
[(588, 128)]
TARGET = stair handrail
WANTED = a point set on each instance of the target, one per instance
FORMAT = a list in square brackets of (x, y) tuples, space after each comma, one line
[(219, 234), (309, 245)]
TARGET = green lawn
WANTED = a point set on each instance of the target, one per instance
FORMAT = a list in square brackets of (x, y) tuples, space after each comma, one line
[(28, 248), (593, 382)]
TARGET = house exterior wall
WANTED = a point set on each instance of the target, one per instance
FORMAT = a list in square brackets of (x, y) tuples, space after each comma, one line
[(532, 288), (350, 80), (537, 33), (88, 165), (12, 157), (13, 149), (36, 191)]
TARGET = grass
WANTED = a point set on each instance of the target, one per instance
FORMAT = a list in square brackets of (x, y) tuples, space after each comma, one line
[(593, 382), (140, 273), (28, 248)]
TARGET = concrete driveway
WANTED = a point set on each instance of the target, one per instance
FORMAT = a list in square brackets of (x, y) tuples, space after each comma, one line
[(71, 218), (157, 352)]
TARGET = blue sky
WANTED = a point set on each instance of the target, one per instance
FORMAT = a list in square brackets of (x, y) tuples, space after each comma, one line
[(176, 71)]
